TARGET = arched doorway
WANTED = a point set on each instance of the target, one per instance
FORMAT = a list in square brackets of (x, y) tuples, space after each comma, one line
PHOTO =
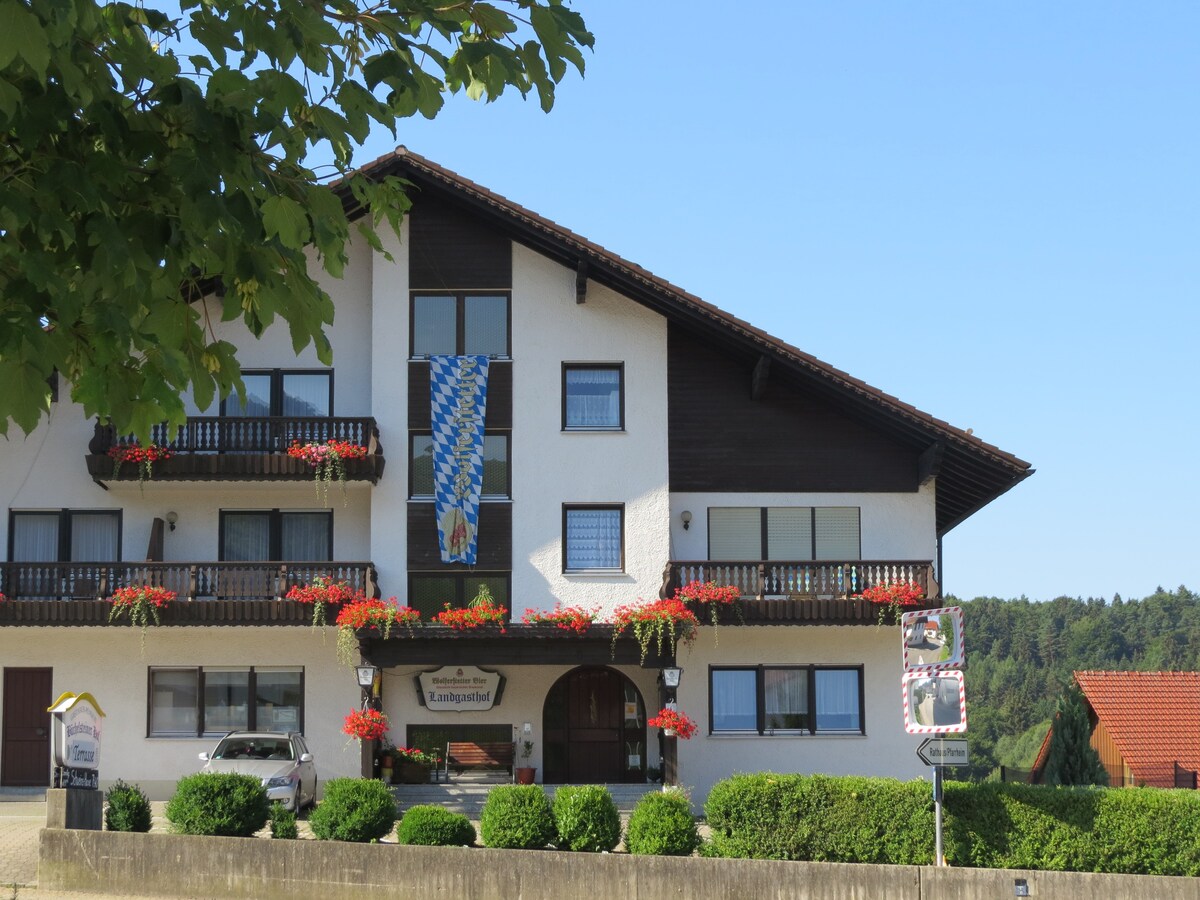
[(594, 729)]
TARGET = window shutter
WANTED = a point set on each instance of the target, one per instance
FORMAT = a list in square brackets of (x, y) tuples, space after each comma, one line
[(789, 533), (734, 533), (837, 532)]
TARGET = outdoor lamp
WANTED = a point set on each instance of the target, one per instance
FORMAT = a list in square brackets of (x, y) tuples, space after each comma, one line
[(366, 676), (671, 676), (172, 518), (686, 518)]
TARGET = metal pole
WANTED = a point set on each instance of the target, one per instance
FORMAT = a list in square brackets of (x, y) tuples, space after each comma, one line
[(937, 813)]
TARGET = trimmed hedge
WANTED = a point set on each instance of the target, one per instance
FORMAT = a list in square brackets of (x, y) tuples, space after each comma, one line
[(517, 817), (359, 810), (662, 824), (283, 823), (822, 819), (218, 803), (128, 809), (435, 826), (586, 818), (1137, 831)]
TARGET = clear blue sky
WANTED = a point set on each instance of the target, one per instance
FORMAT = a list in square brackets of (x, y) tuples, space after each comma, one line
[(991, 211)]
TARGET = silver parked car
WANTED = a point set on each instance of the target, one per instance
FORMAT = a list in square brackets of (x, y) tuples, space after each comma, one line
[(282, 761)]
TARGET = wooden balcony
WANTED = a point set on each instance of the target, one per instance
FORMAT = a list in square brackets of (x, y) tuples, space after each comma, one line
[(782, 592), (234, 448), (219, 593)]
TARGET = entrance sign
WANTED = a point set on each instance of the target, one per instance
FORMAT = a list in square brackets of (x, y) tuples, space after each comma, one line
[(76, 740), (933, 639), (939, 752), (459, 689), (458, 401), (934, 702)]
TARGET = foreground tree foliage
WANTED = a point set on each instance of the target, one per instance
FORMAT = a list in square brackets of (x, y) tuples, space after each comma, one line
[(150, 157)]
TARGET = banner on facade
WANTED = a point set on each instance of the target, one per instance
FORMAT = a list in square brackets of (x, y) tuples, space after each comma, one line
[(458, 395)]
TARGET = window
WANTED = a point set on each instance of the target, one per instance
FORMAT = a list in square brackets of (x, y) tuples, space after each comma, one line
[(495, 466), (271, 534), (792, 533), (593, 397), (283, 392), (594, 538), (788, 699), (460, 324), (66, 535), (429, 593), (193, 702)]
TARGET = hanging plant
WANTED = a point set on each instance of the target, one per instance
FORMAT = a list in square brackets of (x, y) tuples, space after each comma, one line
[(663, 623), (674, 723), (378, 614), (143, 458), (474, 616), (140, 605), (328, 461), (323, 592), (567, 618), (893, 597), (366, 724), (712, 595)]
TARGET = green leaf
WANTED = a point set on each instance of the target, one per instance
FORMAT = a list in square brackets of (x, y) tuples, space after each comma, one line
[(285, 218), (21, 35)]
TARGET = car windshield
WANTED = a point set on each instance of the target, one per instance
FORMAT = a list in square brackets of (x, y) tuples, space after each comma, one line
[(253, 748)]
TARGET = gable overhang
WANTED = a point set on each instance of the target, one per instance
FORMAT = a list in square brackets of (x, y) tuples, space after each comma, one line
[(969, 472)]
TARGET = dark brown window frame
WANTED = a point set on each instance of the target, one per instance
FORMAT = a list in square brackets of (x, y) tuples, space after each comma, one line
[(277, 386), (64, 528), (569, 507), (764, 533), (620, 369), (460, 320), (460, 600), (505, 433), (275, 537), (252, 705), (760, 699)]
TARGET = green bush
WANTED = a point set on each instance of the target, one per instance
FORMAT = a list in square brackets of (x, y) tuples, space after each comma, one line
[(586, 819), (354, 809), (283, 822), (218, 803), (1018, 826), (128, 809), (662, 824), (517, 816), (433, 826), (822, 818)]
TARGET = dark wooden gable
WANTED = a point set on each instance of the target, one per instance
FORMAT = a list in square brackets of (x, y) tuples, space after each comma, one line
[(450, 249), (737, 424)]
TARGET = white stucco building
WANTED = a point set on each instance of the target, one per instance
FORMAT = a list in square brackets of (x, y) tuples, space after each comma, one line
[(635, 436)]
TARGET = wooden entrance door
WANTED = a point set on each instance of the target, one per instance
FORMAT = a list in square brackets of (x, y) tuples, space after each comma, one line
[(594, 728), (25, 742)]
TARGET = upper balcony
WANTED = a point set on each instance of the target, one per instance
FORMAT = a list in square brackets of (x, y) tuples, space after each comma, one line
[(821, 593), (242, 448)]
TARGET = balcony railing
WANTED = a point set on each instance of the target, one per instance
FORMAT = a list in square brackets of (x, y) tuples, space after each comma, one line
[(233, 448), (779, 590), (226, 592)]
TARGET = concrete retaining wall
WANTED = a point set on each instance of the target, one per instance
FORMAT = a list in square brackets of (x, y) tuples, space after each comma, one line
[(173, 865)]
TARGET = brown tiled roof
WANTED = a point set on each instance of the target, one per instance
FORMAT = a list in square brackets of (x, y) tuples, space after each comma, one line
[(1152, 717), (971, 472)]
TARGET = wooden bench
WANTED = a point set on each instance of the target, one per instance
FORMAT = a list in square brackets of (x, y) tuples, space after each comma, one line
[(463, 755)]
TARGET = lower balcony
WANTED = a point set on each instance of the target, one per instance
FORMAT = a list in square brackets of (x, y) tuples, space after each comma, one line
[(223, 593), (240, 448), (780, 591)]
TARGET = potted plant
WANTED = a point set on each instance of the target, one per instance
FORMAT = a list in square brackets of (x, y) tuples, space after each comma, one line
[(576, 619), (673, 723), (414, 765), (380, 616), (140, 604), (525, 774), (663, 623), (322, 593), (365, 724), (894, 597), (387, 751), (328, 461)]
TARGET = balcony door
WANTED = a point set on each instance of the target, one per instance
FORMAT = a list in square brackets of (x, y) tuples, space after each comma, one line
[(57, 546), (276, 393), (276, 535)]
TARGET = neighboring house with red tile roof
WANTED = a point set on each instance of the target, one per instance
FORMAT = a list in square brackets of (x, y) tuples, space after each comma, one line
[(1145, 726)]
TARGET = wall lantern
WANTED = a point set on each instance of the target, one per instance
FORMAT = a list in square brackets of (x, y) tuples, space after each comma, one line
[(671, 676), (686, 518), (366, 676), (172, 518)]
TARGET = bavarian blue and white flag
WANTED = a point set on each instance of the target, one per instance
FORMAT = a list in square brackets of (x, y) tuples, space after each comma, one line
[(458, 392)]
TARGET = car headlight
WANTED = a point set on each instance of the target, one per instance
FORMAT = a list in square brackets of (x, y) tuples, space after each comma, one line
[(278, 781)]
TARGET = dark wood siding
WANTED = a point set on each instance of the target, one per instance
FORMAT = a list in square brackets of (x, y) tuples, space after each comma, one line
[(499, 396), (495, 539), (786, 440), (452, 250)]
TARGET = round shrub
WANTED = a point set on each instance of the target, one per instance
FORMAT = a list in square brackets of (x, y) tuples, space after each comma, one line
[(433, 826), (662, 824), (128, 809), (586, 818), (354, 809), (218, 803), (517, 817), (283, 822)]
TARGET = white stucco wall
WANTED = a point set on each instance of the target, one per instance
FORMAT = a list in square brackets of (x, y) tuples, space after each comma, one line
[(551, 467), (885, 750), (109, 663)]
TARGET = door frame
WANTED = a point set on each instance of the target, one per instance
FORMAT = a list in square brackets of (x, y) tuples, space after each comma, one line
[(624, 734)]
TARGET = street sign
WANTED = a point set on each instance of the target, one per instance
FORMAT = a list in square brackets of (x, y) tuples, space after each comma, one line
[(933, 639), (939, 752)]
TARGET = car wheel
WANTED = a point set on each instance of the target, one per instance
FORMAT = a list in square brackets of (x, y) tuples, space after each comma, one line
[(296, 799), (312, 799)]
